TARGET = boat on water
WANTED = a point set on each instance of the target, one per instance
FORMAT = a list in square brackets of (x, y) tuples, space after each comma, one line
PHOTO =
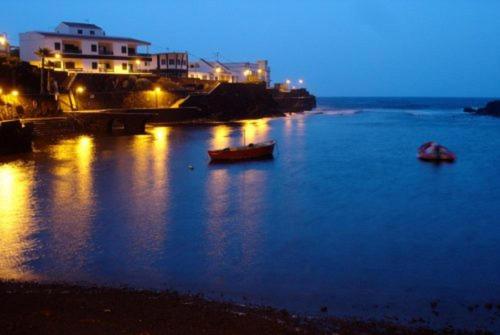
[(435, 152), (251, 151)]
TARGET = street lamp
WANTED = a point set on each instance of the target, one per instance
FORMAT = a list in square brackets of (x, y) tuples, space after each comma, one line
[(79, 90), (301, 81), (3, 40), (15, 93), (157, 91)]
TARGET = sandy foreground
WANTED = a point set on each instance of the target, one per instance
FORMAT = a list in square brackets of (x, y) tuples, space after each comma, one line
[(31, 308)]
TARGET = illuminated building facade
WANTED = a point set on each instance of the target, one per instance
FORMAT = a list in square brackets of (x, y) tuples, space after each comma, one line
[(235, 72), (4, 46), (85, 47), (169, 64)]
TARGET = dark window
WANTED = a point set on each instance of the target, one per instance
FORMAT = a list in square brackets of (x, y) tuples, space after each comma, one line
[(94, 65), (124, 49), (70, 65), (57, 65), (145, 63), (171, 62), (92, 32), (163, 61), (178, 62), (80, 31), (93, 47), (124, 66), (57, 46)]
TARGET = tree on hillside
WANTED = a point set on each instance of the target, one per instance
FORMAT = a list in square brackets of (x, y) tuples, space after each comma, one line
[(42, 53)]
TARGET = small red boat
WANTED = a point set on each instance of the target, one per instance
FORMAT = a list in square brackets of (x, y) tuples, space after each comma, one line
[(251, 151), (434, 152)]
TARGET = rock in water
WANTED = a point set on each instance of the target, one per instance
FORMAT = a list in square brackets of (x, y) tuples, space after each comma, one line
[(492, 108)]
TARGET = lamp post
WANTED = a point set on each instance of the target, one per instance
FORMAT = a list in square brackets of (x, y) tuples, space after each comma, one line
[(79, 91), (247, 74), (157, 91)]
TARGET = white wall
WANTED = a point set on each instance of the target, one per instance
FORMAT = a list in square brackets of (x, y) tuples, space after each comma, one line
[(65, 29)]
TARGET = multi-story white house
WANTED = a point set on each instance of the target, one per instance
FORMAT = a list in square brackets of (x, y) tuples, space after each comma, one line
[(84, 47), (250, 72), (240, 72), (206, 70), (170, 64)]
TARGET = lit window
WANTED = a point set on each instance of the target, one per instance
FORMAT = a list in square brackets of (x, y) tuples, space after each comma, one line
[(124, 66)]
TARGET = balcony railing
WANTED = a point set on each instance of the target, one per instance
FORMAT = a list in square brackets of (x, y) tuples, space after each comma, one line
[(106, 52), (72, 51)]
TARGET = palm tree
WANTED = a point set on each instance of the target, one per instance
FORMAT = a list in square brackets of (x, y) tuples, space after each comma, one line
[(43, 53)]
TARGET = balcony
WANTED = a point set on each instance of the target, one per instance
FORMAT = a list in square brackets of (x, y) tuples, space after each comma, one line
[(71, 49), (106, 52)]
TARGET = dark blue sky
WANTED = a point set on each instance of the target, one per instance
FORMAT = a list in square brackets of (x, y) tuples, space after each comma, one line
[(339, 47)]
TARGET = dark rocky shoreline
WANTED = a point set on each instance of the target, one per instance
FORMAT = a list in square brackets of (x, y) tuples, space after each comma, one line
[(492, 108), (31, 308)]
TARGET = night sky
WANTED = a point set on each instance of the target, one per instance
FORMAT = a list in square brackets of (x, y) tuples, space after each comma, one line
[(340, 48)]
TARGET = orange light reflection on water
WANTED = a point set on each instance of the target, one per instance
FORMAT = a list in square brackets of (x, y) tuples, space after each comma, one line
[(149, 190), (220, 137), (255, 130), (16, 220), (73, 199)]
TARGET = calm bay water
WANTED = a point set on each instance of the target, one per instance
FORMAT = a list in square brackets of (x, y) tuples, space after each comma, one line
[(345, 216)]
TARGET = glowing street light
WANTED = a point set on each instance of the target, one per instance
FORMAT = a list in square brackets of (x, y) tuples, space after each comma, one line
[(301, 81), (15, 93), (288, 81), (57, 56), (1, 91), (218, 69), (3, 40), (80, 89), (247, 72), (157, 90), (137, 62)]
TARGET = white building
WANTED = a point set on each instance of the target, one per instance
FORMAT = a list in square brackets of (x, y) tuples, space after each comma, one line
[(170, 64), (205, 70), (240, 72), (84, 47), (250, 72)]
